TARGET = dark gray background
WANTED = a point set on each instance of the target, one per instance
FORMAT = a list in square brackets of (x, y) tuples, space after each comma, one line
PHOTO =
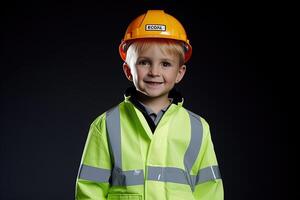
[(60, 69)]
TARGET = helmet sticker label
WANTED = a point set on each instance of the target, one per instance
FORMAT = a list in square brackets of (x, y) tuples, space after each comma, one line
[(155, 27)]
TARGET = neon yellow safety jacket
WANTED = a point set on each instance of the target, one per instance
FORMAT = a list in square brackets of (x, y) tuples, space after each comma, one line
[(124, 160)]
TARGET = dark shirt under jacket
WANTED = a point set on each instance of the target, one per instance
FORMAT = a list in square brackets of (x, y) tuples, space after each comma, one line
[(151, 117)]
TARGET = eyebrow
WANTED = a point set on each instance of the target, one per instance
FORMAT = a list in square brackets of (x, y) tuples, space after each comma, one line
[(149, 58)]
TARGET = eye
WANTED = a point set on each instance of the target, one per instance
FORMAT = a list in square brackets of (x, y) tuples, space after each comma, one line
[(166, 64), (143, 62)]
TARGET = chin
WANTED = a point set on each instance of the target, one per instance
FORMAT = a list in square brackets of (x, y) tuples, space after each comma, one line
[(155, 95)]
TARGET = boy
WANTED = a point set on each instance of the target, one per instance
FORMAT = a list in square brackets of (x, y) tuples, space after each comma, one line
[(149, 146)]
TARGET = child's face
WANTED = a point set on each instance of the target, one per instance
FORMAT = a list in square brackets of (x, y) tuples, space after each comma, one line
[(154, 73)]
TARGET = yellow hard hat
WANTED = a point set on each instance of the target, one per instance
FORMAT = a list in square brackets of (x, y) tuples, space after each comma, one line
[(155, 24)]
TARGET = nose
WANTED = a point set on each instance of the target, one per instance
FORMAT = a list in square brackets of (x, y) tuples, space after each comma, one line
[(154, 70)]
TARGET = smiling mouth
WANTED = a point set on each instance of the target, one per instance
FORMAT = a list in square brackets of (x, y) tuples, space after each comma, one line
[(153, 83)]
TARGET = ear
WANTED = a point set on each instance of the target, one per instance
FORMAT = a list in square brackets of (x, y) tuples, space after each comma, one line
[(127, 71), (181, 73)]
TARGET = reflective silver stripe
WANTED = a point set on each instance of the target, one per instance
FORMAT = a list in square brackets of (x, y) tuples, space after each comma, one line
[(167, 174), (208, 174), (113, 128), (194, 146), (126, 178), (94, 174), (118, 176)]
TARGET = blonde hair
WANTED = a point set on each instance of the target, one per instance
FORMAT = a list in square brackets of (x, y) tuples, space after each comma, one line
[(167, 46)]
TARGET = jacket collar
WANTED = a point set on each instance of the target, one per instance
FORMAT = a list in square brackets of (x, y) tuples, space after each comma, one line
[(177, 98)]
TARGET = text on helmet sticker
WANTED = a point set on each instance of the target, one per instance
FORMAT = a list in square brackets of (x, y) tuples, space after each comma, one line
[(155, 27)]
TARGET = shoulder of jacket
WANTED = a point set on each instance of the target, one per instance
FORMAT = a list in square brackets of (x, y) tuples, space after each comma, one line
[(100, 119), (201, 119)]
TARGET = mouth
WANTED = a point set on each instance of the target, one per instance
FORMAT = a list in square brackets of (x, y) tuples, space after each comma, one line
[(154, 83)]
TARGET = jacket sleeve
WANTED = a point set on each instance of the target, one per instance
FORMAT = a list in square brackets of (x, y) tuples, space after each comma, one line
[(92, 182), (209, 185)]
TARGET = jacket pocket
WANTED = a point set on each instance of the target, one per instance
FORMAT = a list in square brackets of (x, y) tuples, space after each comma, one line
[(124, 197)]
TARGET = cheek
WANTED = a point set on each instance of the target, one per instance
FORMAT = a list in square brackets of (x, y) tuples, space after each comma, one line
[(137, 76), (171, 77), (140, 72), (134, 72)]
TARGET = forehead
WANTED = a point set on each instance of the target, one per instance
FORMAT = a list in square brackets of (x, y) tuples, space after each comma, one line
[(156, 50)]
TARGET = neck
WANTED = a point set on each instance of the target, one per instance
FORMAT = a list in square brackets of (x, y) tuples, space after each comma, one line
[(156, 104)]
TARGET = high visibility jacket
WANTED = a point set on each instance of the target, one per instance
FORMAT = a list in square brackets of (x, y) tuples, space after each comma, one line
[(124, 160)]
